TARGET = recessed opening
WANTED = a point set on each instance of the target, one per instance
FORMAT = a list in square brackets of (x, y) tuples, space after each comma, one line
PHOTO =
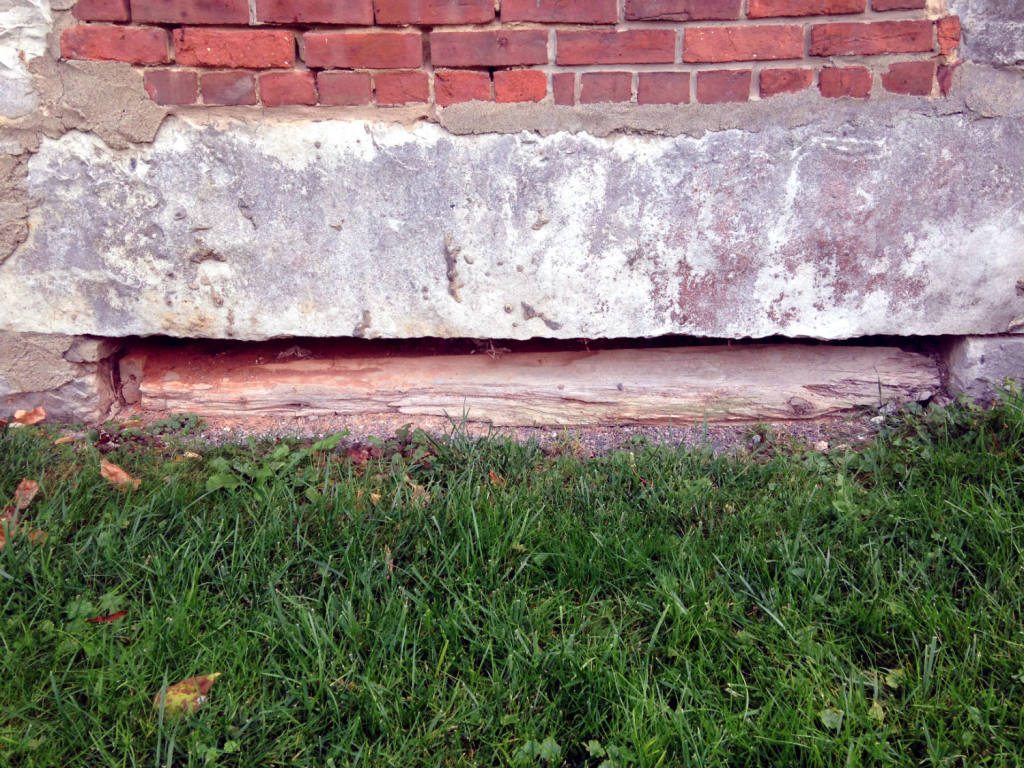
[(665, 380)]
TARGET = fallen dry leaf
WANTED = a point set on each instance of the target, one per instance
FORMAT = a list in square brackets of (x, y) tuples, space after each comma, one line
[(358, 454), (9, 519), (419, 493), (115, 475), (28, 418), (186, 696), (64, 440), (26, 491), (496, 479), (107, 618), (36, 537)]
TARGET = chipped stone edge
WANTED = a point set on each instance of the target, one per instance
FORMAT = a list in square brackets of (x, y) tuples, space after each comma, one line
[(73, 378)]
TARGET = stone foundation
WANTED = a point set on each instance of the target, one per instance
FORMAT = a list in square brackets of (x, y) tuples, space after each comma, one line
[(71, 377)]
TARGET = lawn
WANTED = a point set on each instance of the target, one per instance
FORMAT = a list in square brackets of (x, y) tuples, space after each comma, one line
[(464, 602)]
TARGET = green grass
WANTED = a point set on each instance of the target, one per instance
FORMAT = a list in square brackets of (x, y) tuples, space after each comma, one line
[(667, 608)]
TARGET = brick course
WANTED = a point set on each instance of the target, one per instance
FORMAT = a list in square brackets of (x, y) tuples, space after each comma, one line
[(340, 53)]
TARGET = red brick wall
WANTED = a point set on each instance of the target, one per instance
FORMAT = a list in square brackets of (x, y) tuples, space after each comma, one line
[(392, 52)]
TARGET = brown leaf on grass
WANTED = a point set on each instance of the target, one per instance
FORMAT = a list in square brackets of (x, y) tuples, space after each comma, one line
[(36, 537), (374, 499), (357, 453), (64, 440), (419, 493), (107, 618), (9, 520), (496, 479), (116, 476), (28, 418), (186, 696), (26, 491)]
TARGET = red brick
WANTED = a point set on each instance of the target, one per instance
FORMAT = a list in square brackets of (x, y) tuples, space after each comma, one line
[(634, 46), (723, 85), (755, 43), (765, 8), (945, 75), (911, 77), (561, 11), (280, 88), (949, 34), (102, 10), (682, 10), (898, 5), (788, 80), (169, 86), (520, 85), (489, 48), (136, 45), (191, 11), (663, 88), (454, 86), (597, 87), (363, 50), (871, 38), (344, 89), (228, 88), (563, 87), (434, 11), (235, 48), (835, 82), (402, 87), (315, 11)]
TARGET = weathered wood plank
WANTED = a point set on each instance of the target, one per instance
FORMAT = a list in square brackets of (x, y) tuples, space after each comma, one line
[(629, 386)]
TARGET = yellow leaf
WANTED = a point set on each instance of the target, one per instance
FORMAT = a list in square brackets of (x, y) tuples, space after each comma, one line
[(27, 490), (374, 498), (876, 712), (28, 418), (186, 696), (115, 475), (895, 678), (64, 440)]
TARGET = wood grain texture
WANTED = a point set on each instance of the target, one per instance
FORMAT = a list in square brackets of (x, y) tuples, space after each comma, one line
[(634, 386)]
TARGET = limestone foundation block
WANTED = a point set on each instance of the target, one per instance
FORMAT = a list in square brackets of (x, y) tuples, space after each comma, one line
[(52, 371), (979, 365)]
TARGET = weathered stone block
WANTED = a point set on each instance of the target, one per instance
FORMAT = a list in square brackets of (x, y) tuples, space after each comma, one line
[(978, 365), (24, 25), (905, 224), (993, 30), (38, 369)]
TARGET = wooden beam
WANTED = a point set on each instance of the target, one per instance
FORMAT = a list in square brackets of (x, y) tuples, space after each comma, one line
[(742, 383)]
